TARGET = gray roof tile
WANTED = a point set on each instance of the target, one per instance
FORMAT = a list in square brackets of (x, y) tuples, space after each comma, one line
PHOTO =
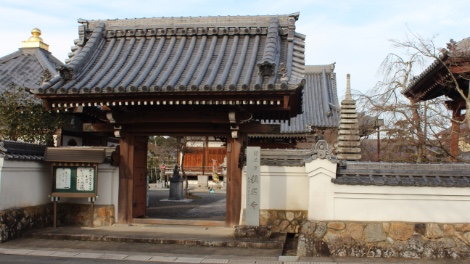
[(404, 174), (184, 54), (320, 107), (25, 67), (13, 150)]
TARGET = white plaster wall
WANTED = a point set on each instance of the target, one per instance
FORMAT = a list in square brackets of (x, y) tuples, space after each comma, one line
[(282, 188), (23, 183), (320, 172), (393, 203), (329, 201)]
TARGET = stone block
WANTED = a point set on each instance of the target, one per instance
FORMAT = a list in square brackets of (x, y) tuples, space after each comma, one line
[(336, 225), (467, 237), (290, 216), (308, 228), (320, 231), (284, 225), (374, 233), (253, 232), (356, 230), (420, 228), (433, 231), (401, 231), (462, 227), (448, 229), (101, 212)]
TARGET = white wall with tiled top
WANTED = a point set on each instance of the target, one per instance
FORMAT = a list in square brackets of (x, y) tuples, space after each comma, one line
[(335, 202), (23, 183)]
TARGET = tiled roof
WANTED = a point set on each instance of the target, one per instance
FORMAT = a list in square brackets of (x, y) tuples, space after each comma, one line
[(284, 157), (320, 101), (419, 90), (320, 108), (25, 67), (403, 174), (187, 54), (13, 150)]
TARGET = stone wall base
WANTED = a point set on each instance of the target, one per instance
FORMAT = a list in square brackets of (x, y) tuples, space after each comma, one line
[(252, 232), (16, 222), (287, 221), (384, 240)]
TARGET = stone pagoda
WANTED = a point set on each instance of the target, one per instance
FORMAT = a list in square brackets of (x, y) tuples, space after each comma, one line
[(348, 134)]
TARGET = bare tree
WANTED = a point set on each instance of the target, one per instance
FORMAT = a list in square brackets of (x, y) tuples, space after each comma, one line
[(411, 126)]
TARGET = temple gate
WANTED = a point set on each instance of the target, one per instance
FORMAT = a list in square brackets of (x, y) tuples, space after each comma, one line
[(209, 76)]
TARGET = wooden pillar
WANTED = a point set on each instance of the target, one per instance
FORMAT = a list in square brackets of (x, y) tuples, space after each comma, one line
[(234, 179), (125, 194), (455, 134)]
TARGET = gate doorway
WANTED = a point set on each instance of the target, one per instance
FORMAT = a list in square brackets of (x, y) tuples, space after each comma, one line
[(203, 174), (219, 207)]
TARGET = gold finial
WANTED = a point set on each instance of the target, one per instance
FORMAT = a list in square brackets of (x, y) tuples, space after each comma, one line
[(35, 41)]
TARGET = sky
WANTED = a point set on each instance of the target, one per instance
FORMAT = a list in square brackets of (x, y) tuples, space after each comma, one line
[(354, 34)]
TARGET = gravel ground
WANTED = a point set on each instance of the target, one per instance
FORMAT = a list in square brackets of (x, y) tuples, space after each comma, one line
[(201, 205)]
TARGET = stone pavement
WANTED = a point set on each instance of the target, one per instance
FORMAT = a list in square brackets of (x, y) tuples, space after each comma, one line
[(167, 244)]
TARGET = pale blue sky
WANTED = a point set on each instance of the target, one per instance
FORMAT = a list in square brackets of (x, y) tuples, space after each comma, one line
[(353, 33)]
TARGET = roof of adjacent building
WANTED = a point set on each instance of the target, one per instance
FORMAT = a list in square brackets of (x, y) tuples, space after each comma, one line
[(320, 107), (185, 54), (28, 66), (13, 150), (404, 174), (430, 83), (320, 101)]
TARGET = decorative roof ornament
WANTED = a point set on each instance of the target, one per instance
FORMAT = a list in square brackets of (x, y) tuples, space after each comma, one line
[(266, 68), (35, 41), (46, 76), (67, 73), (348, 134), (321, 151), (282, 72)]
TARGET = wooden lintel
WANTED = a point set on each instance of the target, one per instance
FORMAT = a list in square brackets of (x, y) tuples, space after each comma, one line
[(260, 128), (204, 128), (173, 117)]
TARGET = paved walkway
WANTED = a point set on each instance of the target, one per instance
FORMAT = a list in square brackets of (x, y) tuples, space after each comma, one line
[(166, 244)]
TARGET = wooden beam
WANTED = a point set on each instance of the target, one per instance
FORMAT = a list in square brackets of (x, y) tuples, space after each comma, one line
[(182, 128), (172, 117)]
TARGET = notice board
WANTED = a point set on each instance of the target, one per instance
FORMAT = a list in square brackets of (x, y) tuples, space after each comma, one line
[(74, 180)]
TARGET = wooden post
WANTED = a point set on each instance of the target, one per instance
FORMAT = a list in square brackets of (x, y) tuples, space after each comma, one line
[(234, 180), (455, 135), (124, 172), (55, 211), (130, 178), (92, 206)]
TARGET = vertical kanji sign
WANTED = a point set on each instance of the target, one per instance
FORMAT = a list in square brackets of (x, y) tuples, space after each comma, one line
[(253, 164)]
